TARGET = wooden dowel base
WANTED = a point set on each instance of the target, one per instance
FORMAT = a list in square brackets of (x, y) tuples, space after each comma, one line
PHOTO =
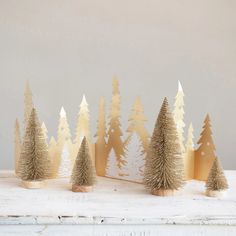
[(33, 184), (163, 192), (82, 189), (211, 193)]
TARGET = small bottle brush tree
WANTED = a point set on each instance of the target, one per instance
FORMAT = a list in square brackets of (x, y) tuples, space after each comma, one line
[(216, 184), (83, 175), (164, 164), (34, 163)]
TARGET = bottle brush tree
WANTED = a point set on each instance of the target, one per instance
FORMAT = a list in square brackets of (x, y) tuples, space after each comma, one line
[(83, 175), (164, 164), (34, 163), (216, 183)]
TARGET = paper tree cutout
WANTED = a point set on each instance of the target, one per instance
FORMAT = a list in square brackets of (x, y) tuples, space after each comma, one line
[(28, 101), (164, 163), (136, 124), (63, 134), (65, 164), (17, 146), (134, 168), (189, 155), (114, 131), (216, 181), (54, 156), (101, 145), (83, 129), (45, 132), (112, 169), (179, 115), (34, 163), (205, 154)]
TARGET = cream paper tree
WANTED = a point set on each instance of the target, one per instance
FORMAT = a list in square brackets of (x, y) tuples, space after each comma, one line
[(65, 166), (205, 154), (112, 169), (54, 156), (189, 155), (114, 131), (17, 146), (83, 129), (101, 145), (164, 171), (137, 124), (179, 115), (45, 132), (34, 163), (134, 168), (28, 102)]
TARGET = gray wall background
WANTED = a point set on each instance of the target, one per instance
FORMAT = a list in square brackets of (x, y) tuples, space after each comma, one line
[(67, 48)]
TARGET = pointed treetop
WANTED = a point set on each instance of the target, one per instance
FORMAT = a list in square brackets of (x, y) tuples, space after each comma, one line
[(44, 126), (52, 140), (84, 141), (207, 119), (27, 87), (17, 123), (115, 85), (62, 112), (84, 102), (180, 89)]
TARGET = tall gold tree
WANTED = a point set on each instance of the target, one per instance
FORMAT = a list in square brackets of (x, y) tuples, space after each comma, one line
[(216, 182), (17, 146), (205, 154), (28, 102), (34, 163), (114, 131), (101, 145), (164, 164), (137, 121)]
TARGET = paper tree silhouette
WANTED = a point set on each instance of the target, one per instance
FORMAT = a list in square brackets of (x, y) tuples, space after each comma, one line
[(83, 175), (179, 115), (83, 129), (216, 181), (17, 146), (134, 168), (205, 154), (54, 156), (34, 163), (65, 164), (28, 102), (101, 145), (45, 132), (112, 169), (164, 163), (189, 155), (136, 124), (114, 131)]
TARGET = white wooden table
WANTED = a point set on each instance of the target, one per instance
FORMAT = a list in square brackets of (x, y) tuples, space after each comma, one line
[(114, 208)]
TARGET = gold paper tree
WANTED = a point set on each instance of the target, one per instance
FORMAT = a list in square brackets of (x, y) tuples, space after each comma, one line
[(114, 132), (164, 163), (216, 181), (83, 174), (189, 155), (101, 145), (179, 115), (17, 146), (136, 124), (34, 163), (205, 154), (28, 101)]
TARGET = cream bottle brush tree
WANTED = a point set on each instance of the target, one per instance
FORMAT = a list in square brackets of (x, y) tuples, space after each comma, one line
[(54, 156), (17, 146), (65, 163), (179, 115), (83, 174), (34, 163), (45, 132), (101, 144), (216, 183), (164, 163)]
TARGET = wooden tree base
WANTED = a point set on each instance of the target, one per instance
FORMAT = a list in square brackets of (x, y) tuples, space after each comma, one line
[(211, 193), (163, 192), (33, 184), (82, 189)]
